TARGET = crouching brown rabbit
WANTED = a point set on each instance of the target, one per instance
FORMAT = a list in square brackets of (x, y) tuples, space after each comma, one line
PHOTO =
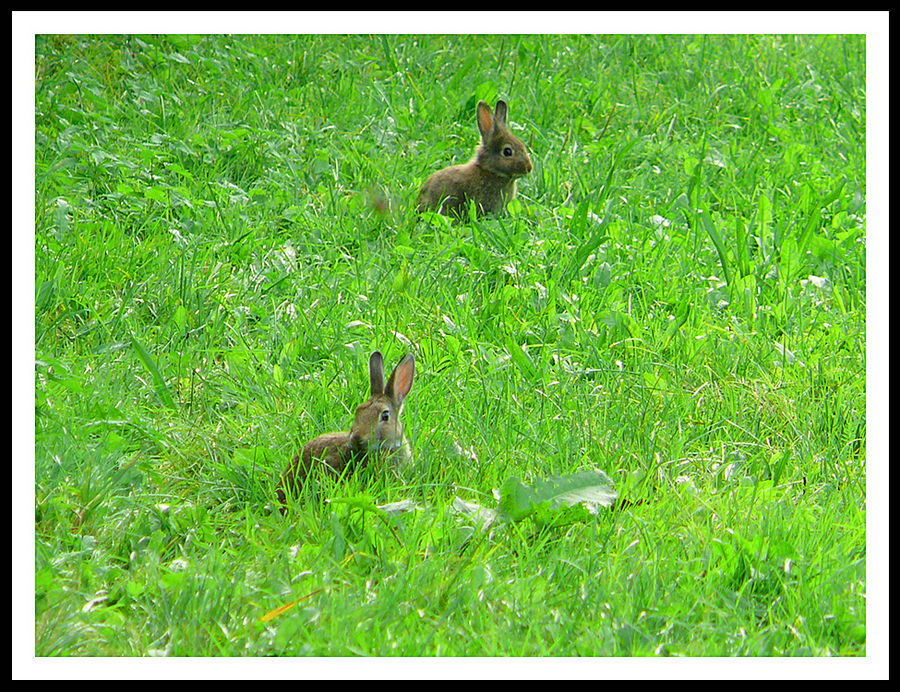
[(489, 179), (376, 432)]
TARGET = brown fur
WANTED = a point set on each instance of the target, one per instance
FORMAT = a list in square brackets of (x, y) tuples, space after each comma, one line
[(489, 179), (376, 431)]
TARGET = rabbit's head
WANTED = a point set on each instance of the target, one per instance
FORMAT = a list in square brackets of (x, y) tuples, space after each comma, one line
[(500, 152), (377, 426)]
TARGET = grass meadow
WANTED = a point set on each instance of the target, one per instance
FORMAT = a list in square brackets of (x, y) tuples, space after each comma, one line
[(224, 231)]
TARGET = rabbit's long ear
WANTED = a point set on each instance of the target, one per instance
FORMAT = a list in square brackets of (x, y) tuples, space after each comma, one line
[(401, 380), (485, 120), (376, 374), (500, 114)]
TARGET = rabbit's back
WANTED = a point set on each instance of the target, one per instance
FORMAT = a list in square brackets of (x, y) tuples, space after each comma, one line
[(331, 451), (450, 190)]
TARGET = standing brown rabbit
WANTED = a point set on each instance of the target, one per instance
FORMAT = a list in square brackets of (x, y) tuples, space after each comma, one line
[(489, 178), (376, 431)]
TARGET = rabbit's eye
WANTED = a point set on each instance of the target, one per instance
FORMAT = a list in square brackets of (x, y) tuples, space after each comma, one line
[(385, 415), (507, 151)]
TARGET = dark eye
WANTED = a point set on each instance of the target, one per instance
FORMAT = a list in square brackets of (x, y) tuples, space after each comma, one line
[(385, 415), (507, 151)]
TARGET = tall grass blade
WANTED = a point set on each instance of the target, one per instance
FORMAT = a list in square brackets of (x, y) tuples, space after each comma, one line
[(159, 383), (713, 234)]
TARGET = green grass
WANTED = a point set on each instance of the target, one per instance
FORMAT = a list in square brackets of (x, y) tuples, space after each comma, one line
[(224, 232)]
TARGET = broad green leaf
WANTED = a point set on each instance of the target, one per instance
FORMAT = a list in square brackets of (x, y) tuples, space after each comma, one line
[(180, 170), (156, 193), (591, 488), (181, 317), (790, 261)]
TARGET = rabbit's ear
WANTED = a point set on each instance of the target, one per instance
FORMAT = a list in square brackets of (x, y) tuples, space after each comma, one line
[(376, 374), (485, 120), (401, 380), (500, 114)]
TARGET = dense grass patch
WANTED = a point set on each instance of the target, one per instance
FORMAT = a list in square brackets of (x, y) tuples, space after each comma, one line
[(224, 232)]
